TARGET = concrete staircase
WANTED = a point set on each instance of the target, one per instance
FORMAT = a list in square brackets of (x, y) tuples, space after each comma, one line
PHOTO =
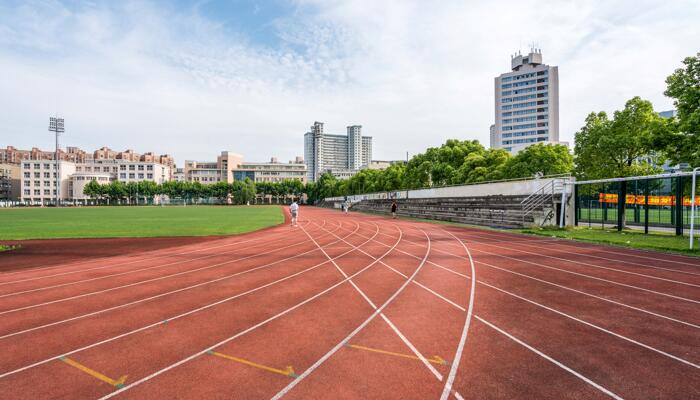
[(493, 211)]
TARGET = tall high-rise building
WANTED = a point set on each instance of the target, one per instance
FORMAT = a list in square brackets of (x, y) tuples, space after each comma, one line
[(527, 104), (341, 155)]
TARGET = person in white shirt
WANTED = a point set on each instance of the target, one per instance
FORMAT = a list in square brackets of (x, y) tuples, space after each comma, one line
[(294, 210)]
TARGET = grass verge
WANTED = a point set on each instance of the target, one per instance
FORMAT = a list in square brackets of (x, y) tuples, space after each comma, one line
[(103, 222), (658, 241)]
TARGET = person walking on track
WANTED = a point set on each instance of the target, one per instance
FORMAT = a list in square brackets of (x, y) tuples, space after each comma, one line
[(294, 210), (393, 209)]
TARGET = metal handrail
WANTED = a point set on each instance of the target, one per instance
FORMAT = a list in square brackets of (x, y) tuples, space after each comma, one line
[(541, 196)]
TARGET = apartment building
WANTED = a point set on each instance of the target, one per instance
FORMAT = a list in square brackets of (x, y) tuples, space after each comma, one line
[(526, 104), (40, 178), (10, 184), (341, 155)]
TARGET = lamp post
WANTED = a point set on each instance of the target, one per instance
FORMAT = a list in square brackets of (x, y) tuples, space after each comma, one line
[(56, 126)]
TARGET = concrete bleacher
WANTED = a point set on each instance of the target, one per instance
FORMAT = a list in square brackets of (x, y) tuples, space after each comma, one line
[(498, 211)]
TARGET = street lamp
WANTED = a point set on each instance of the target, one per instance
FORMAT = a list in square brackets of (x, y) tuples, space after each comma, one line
[(56, 126)]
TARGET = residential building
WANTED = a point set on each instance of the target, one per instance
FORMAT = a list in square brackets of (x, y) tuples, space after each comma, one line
[(40, 180), (526, 104), (272, 171), (10, 183), (207, 172), (39, 177), (341, 155), (12, 155), (179, 175)]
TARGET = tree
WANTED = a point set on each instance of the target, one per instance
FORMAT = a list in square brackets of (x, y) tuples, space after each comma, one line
[(682, 140), (221, 190), (619, 147), (540, 158), (93, 190)]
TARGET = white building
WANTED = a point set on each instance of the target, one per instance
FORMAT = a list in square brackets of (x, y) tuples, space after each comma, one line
[(341, 155), (272, 171), (40, 181), (207, 172), (39, 177), (526, 104)]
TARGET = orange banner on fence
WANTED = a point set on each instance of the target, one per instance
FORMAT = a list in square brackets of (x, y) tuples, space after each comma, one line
[(653, 200)]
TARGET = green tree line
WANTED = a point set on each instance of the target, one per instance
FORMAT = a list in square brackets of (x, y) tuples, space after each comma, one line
[(238, 192)]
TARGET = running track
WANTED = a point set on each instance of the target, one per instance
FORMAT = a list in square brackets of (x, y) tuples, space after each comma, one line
[(356, 306)]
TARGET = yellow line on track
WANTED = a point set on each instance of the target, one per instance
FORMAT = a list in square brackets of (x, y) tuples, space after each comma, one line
[(116, 383), (289, 371), (435, 359)]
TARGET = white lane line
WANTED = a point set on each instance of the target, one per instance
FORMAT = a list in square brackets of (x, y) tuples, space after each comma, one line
[(463, 339), (161, 294), (36, 364), (246, 331), (527, 346), (566, 246), (592, 277), (594, 326), (588, 294), (352, 334), (119, 264), (575, 319), (594, 265), (548, 358), (393, 327), (602, 246), (131, 271)]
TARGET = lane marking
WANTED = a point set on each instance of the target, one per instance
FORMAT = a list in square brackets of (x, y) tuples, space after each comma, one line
[(593, 265), (352, 334), (114, 265), (548, 358), (158, 295), (118, 383), (463, 339), (435, 359), (244, 332), (129, 272), (288, 371), (561, 270), (393, 327), (141, 282), (143, 328), (600, 247)]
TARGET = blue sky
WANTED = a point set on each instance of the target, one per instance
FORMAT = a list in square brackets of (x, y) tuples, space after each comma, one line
[(195, 78)]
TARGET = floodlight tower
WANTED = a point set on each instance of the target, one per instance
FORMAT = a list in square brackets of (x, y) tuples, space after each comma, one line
[(56, 126)]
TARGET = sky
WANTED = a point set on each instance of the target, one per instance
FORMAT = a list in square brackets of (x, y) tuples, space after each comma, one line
[(193, 79)]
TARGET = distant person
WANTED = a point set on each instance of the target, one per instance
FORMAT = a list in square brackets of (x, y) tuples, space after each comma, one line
[(294, 210), (393, 209), (345, 207)]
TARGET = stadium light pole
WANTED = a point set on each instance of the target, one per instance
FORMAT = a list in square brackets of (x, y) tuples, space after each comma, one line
[(692, 208), (56, 126)]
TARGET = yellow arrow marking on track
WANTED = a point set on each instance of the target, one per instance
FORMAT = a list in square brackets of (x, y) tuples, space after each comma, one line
[(435, 359), (116, 383), (289, 371)]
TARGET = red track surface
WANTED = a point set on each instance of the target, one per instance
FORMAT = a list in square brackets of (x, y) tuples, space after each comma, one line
[(359, 307)]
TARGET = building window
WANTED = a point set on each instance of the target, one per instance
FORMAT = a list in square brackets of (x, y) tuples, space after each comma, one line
[(37, 174), (27, 175), (27, 192), (37, 192), (37, 183), (122, 176), (47, 183), (122, 167), (149, 168), (47, 174), (47, 192), (131, 176), (140, 176), (27, 183), (132, 167), (27, 166), (140, 167), (47, 166)]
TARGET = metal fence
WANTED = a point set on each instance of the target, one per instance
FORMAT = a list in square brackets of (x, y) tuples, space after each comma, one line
[(657, 202)]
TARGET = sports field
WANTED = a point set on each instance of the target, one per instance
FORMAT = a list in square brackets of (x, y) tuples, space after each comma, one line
[(103, 222), (355, 306)]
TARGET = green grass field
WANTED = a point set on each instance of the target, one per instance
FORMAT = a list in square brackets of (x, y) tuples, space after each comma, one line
[(101, 222), (653, 241)]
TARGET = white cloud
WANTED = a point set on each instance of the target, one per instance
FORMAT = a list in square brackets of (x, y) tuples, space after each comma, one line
[(412, 73)]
